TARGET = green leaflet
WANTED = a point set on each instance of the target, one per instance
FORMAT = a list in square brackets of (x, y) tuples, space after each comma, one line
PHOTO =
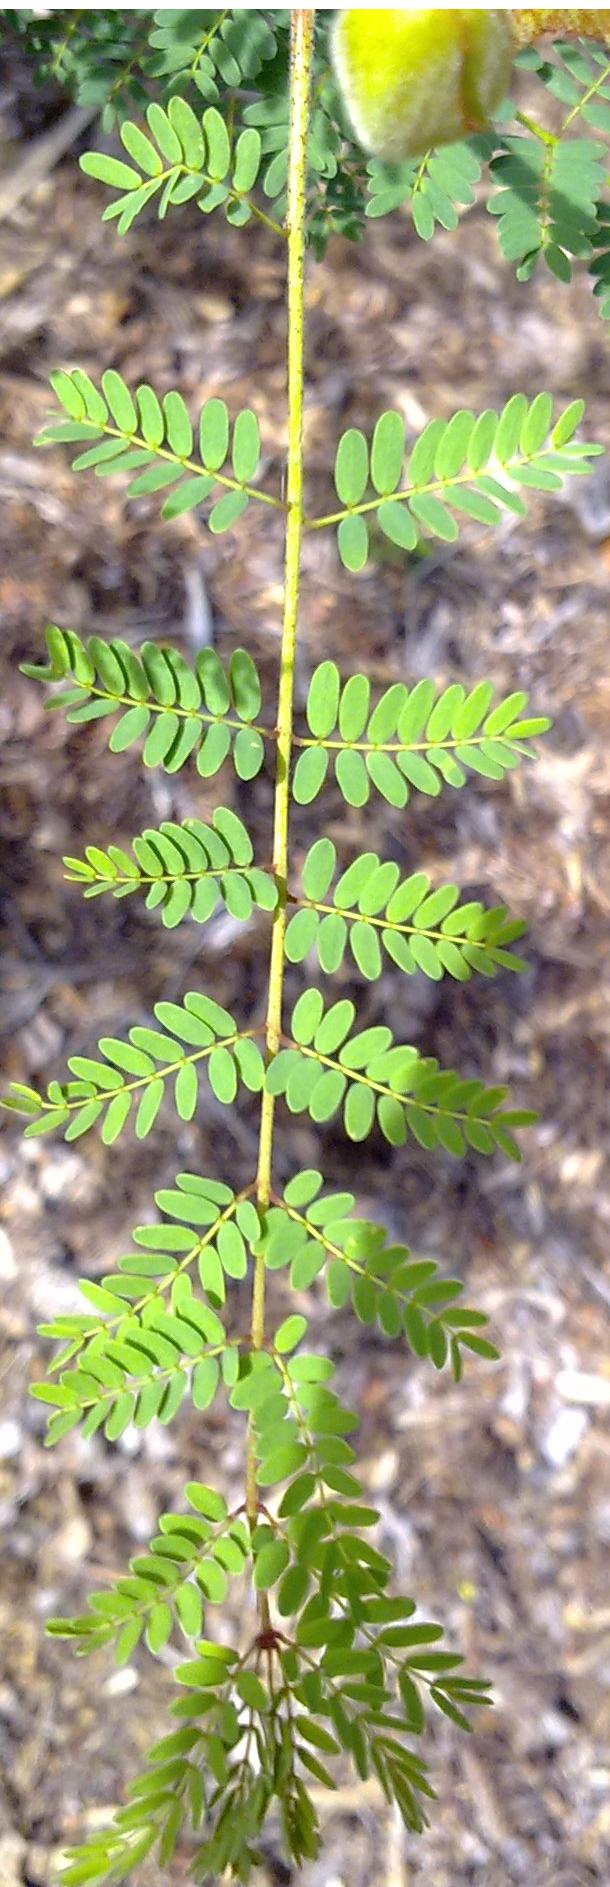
[(189, 868), (406, 1295), (413, 738), (443, 476), (351, 467), (433, 933), (182, 155), (136, 433), (411, 1094), (179, 710), (139, 1070)]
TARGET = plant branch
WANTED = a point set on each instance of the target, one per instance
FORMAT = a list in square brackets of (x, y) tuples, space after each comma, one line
[(302, 26)]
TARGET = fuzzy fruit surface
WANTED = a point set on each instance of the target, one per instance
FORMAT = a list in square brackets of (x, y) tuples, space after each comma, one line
[(412, 79)]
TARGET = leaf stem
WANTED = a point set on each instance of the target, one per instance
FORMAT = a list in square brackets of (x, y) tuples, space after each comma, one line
[(173, 878), (405, 746), (302, 37), (537, 130), (233, 196), (58, 55), (104, 1095), (354, 916), (136, 441), (433, 487), (408, 1099), (90, 691), (108, 1323), (205, 42), (593, 89)]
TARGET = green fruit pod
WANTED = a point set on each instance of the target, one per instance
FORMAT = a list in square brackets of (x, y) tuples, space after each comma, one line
[(415, 79)]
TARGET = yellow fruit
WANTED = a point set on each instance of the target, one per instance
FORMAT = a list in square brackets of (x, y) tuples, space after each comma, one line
[(412, 79)]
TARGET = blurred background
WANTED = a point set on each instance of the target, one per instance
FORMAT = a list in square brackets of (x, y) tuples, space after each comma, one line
[(494, 1496)]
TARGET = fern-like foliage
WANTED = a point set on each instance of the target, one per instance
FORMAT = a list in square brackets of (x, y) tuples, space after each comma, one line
[(437, 188), (417, 739), (130, 1361), (175, 709), (553, 182), (546, 176), (475, 467), (182, 157), (120, 433), (98, 58), (374, 911), (188, 868), (324, 1067), (545, 171), (190, 1561), (120, 62), (348, 1680), (355, 1663), (158, 1329), (139, 1069), (215, 49), (381, 1279), (331, 1662)]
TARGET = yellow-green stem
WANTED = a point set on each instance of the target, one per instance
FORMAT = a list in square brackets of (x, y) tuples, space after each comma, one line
[(301, 62)]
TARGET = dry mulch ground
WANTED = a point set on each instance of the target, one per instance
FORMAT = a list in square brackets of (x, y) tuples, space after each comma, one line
[(495, 1496)]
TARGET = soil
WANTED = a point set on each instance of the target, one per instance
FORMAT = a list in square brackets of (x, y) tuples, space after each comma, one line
[(494, 1496)]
